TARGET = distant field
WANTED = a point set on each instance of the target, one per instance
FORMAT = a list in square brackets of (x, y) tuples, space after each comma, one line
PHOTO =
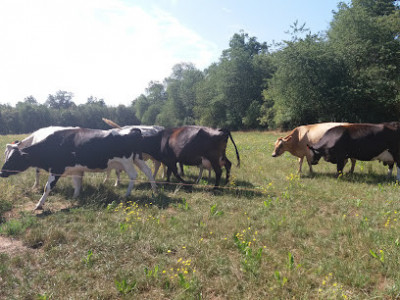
[(268, 235)]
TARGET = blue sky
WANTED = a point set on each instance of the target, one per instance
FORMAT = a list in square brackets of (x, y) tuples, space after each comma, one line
[(112, 49)]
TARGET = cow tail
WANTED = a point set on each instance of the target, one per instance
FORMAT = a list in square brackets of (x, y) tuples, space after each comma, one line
[(111, 123), (237, 152)]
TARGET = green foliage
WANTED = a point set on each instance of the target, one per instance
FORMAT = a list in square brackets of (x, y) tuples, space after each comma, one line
[(28, 116), (124, 287), (15, 227), (348, 73), (88, 260), (61, 100), (4, 207)]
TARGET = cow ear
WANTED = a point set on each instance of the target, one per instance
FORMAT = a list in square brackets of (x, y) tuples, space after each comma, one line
[(9, 147), (288, 138)]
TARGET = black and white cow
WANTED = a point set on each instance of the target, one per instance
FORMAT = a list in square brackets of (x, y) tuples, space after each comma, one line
[(74, 151), (362, 141), (35, 137), (146, 131)]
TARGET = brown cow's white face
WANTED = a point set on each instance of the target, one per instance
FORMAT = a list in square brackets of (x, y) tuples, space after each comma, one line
[(280, 146)]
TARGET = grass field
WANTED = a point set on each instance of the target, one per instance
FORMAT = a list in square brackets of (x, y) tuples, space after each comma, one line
[(268, 235)]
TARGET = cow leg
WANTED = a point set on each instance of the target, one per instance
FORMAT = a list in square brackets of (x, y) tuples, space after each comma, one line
[(201, 168), (173, 169), (353, 165), (77, 183), (228, 166), (300, 164), (218, 172), (132, 173), (51, 182), (36, 184), (398, 172), (182, 172), (309, 161), (165, 169), (339, 167), (157, 165), (117, 173), (146, 170), (107, 176), (118, 180), (390, 169)]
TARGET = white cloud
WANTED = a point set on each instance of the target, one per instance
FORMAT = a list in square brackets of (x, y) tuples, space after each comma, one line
[(103, 48)]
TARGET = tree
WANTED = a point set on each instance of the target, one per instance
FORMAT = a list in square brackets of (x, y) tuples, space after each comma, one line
[(305, 87), (155, 97), (365, 35), (32, 116), (30, 100), (61, 100), (235, 84), (94, 101), (181, 91)]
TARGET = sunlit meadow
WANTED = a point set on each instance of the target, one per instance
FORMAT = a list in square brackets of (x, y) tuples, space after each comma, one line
[(268, 234)]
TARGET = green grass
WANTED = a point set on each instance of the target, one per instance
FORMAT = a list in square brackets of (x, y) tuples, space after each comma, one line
[(268, 235)]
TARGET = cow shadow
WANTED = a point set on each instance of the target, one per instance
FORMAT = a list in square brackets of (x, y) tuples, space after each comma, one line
[(369, 178), (238, 189), (103, 196)]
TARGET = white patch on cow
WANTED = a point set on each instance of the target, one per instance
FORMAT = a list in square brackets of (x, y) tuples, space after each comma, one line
[(114, 132), (46, 193), (124, 131), (10, 148), (119, 164), (146, 130), (146, 170), (385, 156), (206, 163), (41, 134), (77, 183)]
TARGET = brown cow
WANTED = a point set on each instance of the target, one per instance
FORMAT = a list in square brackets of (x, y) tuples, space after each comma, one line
[(297, 140), (193, 146)]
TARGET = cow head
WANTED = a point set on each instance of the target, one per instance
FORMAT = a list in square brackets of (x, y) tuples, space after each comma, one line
[(316, 154), (281, 146), (16, 161)]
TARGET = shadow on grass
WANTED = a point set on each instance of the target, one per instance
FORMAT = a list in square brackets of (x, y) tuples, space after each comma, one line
[(240, 189), (369, 178), (103, 195), (99, 197)]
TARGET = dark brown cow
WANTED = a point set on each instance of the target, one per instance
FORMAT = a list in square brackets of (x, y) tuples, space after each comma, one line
[(360, 141), (191, 145)]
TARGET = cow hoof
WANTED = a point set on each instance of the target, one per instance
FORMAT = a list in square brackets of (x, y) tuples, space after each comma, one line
[(217, 189), (39, 207)]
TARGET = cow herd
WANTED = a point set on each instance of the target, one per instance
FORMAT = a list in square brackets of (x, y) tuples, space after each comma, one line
[(72, 151), (338, 142)]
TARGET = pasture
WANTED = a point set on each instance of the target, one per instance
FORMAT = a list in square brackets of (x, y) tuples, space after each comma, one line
[(269, 234)]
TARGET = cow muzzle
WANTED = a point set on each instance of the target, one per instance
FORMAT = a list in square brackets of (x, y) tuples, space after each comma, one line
[(4, 174)]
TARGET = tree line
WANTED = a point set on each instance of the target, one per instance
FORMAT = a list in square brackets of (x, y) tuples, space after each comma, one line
[(349, 73)]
